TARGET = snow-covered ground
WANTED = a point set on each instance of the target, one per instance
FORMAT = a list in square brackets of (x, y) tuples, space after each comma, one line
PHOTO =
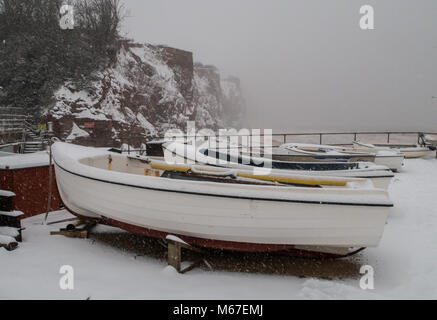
[(405, 263)]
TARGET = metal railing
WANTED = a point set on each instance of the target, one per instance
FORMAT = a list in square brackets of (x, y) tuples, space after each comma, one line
[(332, 138), (335, 138), (378, 136)]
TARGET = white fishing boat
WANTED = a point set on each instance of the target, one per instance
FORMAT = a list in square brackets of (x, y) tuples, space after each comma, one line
[(381, 176), (128, 192), (392, 159), (409, 151)]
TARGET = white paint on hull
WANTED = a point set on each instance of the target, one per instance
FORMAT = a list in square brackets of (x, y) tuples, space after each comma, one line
[(227, 219)]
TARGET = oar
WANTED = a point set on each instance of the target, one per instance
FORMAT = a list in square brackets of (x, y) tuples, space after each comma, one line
[(245, 174)]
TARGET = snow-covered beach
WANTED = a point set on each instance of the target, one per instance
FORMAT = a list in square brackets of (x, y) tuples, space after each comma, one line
[(404, 263)]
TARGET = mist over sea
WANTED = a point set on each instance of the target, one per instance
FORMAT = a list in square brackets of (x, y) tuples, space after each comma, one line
[(307, 65)]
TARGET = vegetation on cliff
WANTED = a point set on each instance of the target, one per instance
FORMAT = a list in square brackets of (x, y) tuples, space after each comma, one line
[(89, 76), (37, 55)]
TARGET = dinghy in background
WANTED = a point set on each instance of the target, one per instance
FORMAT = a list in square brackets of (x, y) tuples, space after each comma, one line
[(409, 151), (392, 159), (282, 155), (128, 193)]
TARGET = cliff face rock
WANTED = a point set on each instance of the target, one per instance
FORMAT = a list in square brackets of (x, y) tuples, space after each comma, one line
[(234, 106), (149, 90), (207, 97)]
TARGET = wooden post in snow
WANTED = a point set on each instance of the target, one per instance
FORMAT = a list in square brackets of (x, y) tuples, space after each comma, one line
[(174, 255), (49, 199)]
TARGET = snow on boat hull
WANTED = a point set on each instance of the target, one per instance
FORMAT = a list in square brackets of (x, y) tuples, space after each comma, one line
[(225, 221)]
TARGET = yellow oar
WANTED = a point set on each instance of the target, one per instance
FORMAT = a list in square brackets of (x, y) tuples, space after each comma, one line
[(273, 178)]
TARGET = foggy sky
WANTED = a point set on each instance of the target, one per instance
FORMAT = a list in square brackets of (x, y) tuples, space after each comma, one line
[(305, 65)]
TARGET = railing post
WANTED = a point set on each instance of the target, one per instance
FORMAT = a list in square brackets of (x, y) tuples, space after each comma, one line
[(321, 134), (24, 141), (388, 137)]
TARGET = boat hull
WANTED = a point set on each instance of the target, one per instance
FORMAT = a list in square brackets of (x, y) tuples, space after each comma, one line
[(415, 154), (409, 151), (293, 250), (243, 224)]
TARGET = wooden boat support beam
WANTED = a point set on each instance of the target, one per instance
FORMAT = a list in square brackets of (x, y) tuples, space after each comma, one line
[(174, 256), (72, 230)]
